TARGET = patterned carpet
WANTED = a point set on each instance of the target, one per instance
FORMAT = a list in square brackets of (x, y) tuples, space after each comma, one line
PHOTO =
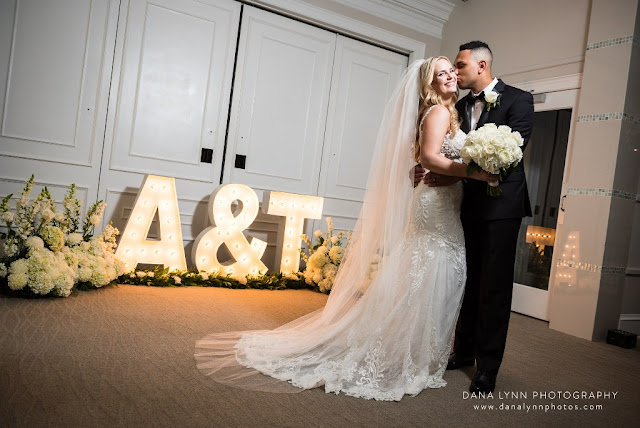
[(123, 356)]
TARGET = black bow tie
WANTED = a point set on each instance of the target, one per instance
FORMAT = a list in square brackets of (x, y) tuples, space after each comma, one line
[(471, 99)]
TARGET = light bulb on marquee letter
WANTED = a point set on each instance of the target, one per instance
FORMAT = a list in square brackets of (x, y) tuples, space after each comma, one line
[(157, 193), (295, 208), (228, 230)]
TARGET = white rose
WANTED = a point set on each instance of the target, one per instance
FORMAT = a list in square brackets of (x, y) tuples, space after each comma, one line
[(488, 149), (490, 96), (204, 276), (318, 233), (7, 216), (177, 279), (334, 240), (59, 217), (47, 215), (505, 159), (150, 274), (94, 220)]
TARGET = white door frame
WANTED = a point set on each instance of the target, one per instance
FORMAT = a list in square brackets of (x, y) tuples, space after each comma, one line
[(561, 93), (329, 20)]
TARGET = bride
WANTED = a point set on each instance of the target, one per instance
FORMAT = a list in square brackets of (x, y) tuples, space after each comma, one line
[(387, 327)]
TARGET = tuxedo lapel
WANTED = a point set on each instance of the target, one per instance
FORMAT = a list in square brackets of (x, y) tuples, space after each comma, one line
[(484, 116), (466, 119)]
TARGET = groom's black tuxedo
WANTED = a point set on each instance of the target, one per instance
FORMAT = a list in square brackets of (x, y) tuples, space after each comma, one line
[(491, 226), (515, 111)]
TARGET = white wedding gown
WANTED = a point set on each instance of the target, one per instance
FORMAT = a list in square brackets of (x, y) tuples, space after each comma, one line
[(394, 340)]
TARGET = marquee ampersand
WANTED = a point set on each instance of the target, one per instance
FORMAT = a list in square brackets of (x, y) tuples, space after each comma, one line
[(227, 230)]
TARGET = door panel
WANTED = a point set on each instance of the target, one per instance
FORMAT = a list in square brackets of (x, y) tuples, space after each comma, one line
[(174, 87), (55, 65), (364, 78), (279, 105)]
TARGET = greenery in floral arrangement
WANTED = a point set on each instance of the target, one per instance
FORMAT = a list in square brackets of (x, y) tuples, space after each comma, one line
[(44, 254), (324, 257), (166, 278)]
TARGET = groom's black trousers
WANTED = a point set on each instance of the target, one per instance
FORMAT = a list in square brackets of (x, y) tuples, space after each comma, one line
[(486, 307)]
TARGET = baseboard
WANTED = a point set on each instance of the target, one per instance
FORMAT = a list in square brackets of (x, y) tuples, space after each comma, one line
[(630, 323)]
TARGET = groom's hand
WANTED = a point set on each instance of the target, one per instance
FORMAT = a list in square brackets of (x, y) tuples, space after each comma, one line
[(433, 179), (417, 173)]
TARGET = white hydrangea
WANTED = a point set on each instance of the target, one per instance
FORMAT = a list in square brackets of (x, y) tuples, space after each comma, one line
[(10, 249), (74, 238), (54, 237), (336, 254), (34, 243), (317, 260), (3, 270)]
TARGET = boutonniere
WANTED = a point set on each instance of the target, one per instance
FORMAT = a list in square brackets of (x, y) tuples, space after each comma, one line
[(492, 99)]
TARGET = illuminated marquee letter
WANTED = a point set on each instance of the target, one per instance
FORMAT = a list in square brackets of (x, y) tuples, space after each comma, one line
[(157, 193), (295, 208), (228, 230)]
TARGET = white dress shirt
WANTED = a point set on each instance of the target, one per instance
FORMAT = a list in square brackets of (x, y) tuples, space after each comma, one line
[(475, 110)]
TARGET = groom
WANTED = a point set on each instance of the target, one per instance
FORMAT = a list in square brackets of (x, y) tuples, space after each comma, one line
[(491, 224)]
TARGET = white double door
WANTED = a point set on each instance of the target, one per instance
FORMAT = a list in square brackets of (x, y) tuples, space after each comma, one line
[(304, 108)]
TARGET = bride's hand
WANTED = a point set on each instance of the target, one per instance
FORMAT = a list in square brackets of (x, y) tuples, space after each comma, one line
[(483, 176)]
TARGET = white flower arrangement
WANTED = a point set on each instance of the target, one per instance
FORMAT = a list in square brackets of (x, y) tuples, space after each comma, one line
[(323, 259), (43, 253), (494, 149)]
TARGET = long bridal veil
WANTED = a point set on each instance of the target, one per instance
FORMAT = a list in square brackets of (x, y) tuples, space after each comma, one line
[(240, 358)]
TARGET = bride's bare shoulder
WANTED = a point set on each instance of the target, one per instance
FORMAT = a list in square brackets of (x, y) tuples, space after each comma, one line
[(437, 114)]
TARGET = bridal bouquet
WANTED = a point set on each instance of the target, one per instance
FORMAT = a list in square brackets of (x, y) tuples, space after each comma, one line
[(494, 149), (324, 257), (47, 251)]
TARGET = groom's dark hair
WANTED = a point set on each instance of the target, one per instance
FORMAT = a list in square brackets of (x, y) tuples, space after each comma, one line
[(479, 50), (476, 44)]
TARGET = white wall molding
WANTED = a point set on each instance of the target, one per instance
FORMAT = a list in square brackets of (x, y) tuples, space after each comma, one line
[(553, 84), (425, 16), (539, 66), (630, 323), (345, 25)]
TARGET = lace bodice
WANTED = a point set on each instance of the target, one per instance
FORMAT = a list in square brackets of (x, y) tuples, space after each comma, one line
[(451, 145)]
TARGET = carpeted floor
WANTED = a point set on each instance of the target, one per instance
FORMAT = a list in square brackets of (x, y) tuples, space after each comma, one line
[(123, 356)]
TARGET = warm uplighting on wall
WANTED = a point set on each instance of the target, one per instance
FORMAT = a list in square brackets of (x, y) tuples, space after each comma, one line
[(542, 236), (156, 194), (294, 208), (227, 229)]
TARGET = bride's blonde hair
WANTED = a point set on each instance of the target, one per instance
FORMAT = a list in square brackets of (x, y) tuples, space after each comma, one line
[(428, 98)]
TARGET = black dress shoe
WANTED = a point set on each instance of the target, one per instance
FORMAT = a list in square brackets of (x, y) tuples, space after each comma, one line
[(458, 361), (483, 382)]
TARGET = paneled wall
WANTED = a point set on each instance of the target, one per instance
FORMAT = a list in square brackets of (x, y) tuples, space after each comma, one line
[(100, 93)]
